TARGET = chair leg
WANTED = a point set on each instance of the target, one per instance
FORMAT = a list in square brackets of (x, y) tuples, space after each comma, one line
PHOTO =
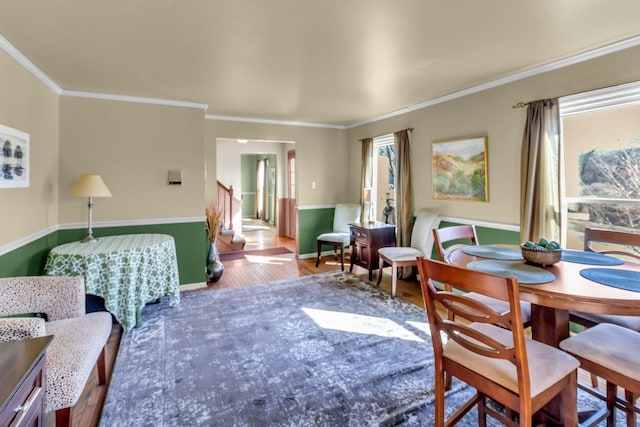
[(594, 381), (318, 257), (64, 417), (102, 366), (612, 390), (380, 268), (342, 257), (394, 280), (631, 414), (568, 396)]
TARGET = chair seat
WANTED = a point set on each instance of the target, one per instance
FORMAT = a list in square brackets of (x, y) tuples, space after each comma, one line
[(547, 365), (502, 306), (335, 238), (629, 322), (76, 345), (400, 253), (609, 346)]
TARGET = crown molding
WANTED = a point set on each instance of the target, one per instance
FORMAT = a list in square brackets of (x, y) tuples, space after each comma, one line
[(134, 99), (21, 59), (272, 122), (575, 59)]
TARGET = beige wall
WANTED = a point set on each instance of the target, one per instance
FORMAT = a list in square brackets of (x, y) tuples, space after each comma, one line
[(31, 107), (321, 156), (132, 146), (490, 113)]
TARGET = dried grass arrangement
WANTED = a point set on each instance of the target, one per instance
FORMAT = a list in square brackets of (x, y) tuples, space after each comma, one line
[(212, 222)]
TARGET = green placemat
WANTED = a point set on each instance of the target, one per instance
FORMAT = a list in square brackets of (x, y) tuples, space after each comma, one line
[(591, 258), (493, 252), (623, 279), (526, 274)]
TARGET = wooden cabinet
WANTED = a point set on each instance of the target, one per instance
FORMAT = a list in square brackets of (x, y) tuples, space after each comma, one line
[(365, 241), (22, 382)]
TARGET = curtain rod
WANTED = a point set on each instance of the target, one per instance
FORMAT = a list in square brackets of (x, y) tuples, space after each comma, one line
[(409, 129)]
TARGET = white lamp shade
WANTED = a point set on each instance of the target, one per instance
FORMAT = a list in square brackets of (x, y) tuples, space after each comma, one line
[(90, 185)]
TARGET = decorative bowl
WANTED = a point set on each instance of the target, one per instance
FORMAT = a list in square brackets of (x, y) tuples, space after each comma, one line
[(541, 256)]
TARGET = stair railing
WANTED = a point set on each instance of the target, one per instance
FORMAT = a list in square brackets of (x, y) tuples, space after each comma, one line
[(225, 203)]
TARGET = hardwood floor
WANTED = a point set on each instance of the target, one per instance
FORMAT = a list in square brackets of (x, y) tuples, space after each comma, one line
[(237, 273)]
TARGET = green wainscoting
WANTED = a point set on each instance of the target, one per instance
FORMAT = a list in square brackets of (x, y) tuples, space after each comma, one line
[(311, 224), (29, 259), (190, 239), (490, 236)]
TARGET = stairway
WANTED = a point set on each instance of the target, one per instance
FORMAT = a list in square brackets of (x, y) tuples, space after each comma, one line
[(229, 240)]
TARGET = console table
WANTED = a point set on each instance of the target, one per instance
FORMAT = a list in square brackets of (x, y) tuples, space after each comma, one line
[(366, 239), (127, 271), (23, 379)]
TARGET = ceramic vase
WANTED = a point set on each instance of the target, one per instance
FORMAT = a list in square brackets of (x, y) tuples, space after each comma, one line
[(214, 266)]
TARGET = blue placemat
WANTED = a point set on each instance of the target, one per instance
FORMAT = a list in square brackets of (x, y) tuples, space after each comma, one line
[(622, 279), (526, 274), (591, 258), (493, 252)]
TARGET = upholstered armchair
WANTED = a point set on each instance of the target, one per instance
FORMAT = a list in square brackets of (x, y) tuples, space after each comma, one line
[(79, 339)]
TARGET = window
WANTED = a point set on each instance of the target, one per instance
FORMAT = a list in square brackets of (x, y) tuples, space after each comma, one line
[(601, 143), (383, 195)]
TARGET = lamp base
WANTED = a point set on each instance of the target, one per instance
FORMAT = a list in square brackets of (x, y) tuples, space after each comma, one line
[(89, 239)]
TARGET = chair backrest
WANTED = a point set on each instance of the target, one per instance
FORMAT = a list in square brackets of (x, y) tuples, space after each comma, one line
[(345, 214), (466, 310), (619, 242), (421, 237), (449, 234)]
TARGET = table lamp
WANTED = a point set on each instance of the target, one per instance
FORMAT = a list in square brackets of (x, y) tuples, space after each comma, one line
[(90, 185)]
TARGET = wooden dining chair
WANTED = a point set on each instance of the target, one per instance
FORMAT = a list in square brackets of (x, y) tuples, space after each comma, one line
[(461, 235), (499, 362), (610, 352), (610, 242)]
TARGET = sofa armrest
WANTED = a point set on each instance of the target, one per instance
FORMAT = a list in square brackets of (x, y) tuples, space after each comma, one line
[(20, 328), (57, 297)]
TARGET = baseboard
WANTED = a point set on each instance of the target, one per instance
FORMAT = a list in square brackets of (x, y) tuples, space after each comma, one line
[(192, 286)]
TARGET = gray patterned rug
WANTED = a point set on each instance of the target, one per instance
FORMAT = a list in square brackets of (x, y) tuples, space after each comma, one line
[(326, 350)]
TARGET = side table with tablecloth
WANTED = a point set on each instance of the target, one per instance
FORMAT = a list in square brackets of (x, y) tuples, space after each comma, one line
[(127, 271)]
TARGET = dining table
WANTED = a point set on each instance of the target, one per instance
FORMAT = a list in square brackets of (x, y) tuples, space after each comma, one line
[(570, 284)]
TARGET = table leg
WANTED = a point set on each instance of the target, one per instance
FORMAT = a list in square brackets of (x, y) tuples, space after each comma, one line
[(549, 325)]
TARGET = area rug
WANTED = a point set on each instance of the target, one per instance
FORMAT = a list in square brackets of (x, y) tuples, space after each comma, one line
[(322, 350), (230, 256)]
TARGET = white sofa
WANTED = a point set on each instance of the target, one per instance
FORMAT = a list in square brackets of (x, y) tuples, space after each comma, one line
[(79, 339)]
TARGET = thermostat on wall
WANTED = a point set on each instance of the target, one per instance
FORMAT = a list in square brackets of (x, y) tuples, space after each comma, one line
[(175, 177)]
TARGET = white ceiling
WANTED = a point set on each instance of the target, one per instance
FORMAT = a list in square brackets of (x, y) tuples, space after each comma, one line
[(330, 61)]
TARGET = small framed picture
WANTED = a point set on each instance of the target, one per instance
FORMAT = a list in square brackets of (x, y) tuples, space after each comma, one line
[(460, 169), (15, 158)]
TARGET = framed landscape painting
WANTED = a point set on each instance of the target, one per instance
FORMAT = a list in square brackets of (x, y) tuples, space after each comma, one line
[(15, 158), (460, 169)]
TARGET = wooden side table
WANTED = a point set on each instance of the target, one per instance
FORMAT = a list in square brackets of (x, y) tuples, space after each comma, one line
[(366, 239), (23, 379)]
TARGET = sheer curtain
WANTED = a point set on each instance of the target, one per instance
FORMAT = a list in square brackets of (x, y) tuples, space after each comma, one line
[(366, 176), (404, 194), (541, 173)]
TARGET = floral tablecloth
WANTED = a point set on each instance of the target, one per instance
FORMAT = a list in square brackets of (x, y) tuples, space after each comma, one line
[(127, 271)]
